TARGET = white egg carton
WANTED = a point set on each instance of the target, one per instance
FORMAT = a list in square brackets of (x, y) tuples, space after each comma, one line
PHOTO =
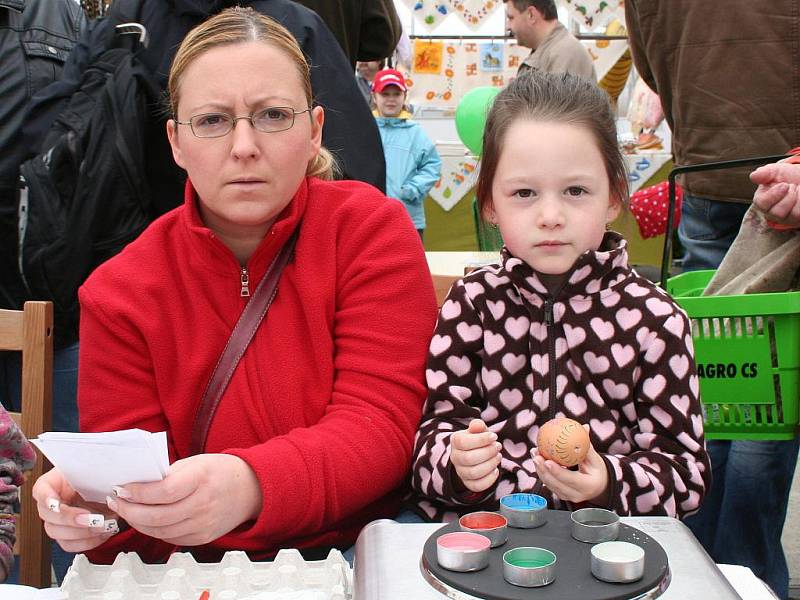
[(288, 577)]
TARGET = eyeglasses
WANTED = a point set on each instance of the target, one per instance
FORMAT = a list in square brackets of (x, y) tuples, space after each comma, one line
[(268, 120)]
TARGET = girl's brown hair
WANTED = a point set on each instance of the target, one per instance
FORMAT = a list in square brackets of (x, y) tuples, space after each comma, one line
[(554, 97), (239, 25)]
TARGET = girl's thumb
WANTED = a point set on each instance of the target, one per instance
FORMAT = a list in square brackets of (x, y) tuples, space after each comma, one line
[(477, 426)]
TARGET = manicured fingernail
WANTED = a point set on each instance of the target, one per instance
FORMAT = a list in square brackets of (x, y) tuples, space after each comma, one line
[(110, 526), (498, 445), (54, 505), (112, 504), (121, 492), (90, 520), (493, 436)]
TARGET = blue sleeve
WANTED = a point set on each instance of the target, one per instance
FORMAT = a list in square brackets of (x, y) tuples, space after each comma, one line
[(428, 172)]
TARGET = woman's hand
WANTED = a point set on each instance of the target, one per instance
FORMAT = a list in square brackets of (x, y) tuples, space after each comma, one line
[(777, 195), (76, 525), (202, 498), (585, 484), (475, 454)]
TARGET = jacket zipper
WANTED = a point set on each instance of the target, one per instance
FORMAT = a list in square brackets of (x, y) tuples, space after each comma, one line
[(549, 321), (245, 281)]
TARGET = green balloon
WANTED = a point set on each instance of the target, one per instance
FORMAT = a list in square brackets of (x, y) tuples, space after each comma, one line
[(471, 116)]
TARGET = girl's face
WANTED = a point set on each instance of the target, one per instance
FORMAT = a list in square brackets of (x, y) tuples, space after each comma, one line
[(550, 195), (390, 101), (246, 178)]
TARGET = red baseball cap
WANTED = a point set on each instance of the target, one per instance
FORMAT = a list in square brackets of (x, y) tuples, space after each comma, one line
[(387, 77)]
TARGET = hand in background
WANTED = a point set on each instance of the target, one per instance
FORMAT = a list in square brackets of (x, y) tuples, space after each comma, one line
[(76, 525), (777, 195), (475, 455), (202, 498), (587, 483)]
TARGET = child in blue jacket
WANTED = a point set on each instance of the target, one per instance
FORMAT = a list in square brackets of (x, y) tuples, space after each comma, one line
[(412, 164)]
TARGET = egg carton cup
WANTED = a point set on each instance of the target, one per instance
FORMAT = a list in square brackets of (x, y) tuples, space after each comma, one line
[(235, 577)]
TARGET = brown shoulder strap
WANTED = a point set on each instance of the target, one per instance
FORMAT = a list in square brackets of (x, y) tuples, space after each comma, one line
[(243, 332)]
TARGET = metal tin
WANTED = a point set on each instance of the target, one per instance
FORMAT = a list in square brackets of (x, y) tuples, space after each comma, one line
[(490, 524), (617, 562), (524, 511), (463, 551), (594, 525), (528, 566)]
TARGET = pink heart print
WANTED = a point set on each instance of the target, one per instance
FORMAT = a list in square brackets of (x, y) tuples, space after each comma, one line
[(525, 419), (493, 280), (459, 365), (622, 354), (596, 364), (603, 429), (674, 325), (435, 378), (490, 378), (682, 403), (517, 450), (468, 333), (513, 362), (635, 290), (474, 289), (575, 335), (510, 399), (653, 386), (450, 310), (580, 274), (575, 404), (497, 309), (617, 391), (517, 327), (493, 342), (603, 329), (440, 343), (679, 365), (659, 308), (580, 304), (628, 318), (610, 300)]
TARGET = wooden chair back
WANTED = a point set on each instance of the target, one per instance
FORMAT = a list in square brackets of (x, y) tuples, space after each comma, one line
[(441, 285), (30, 331)]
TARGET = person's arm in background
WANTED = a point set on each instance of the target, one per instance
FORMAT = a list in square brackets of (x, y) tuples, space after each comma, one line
[(350, 132), (428, 172), (46, 104), (380, 30), (778, 192), (637, 45)]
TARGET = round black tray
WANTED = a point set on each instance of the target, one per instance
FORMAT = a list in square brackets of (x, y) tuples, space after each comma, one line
[(574, 579)]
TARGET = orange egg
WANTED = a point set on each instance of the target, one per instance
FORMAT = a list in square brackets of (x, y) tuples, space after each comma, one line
[(564, 441)]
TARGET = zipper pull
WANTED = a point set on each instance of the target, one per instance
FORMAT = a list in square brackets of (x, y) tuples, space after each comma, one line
[(245, 277), (548, 312)]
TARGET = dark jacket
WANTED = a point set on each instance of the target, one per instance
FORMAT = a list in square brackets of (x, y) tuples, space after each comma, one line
[(350, 132), (36, 37), (728, 75), (366, 29)]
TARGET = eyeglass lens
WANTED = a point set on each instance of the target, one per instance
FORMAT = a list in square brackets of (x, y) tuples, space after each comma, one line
[(268, 120)]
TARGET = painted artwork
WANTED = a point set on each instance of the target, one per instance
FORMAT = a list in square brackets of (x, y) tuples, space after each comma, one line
[(595, 14), (491, 57), (428, 57), (474, 12), (428, 12)]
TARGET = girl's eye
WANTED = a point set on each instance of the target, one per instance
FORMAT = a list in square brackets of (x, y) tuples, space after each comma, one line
[(524, 193), (576, 190)]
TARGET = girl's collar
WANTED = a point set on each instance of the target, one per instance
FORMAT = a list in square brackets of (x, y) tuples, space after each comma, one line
[(593, 271)]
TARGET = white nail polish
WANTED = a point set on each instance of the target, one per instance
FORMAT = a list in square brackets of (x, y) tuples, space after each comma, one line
[(110, 526), (90, 520), (53, 505)]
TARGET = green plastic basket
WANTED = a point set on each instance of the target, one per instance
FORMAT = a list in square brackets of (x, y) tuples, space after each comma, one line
[(747, 349)]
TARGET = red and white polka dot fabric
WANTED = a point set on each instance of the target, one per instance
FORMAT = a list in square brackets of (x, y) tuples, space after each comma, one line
[(649, 207)]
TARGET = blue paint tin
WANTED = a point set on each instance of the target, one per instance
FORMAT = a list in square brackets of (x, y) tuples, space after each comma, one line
[(524, 511)]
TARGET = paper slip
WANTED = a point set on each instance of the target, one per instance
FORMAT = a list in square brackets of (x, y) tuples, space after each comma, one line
[(93, 463)]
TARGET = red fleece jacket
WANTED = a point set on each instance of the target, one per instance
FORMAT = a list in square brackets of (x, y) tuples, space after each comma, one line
[(325, 402)]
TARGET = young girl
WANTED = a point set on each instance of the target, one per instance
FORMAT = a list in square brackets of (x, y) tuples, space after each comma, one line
[(562, 327), (16, 456), (413, 165)]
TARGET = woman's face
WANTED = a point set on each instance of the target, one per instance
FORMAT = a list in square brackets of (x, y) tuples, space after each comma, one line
[(246, 178)]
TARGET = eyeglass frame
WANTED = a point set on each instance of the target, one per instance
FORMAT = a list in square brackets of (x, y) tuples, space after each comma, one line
[(236, 119)]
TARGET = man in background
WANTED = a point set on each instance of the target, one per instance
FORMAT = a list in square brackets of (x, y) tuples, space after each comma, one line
[(535, 25), (729, 81), (366, 30)]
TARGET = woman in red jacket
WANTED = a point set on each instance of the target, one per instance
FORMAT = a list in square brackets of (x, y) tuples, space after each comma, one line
[(312, 437)]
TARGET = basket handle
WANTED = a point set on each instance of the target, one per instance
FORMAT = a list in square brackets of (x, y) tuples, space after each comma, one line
[(712, 166)]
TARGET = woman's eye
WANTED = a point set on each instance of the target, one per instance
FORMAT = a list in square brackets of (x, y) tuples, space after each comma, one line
[(210, 120), (576, 190), (275, 114)]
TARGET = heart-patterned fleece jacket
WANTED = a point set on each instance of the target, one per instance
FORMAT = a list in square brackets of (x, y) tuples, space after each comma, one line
[(609, 349)]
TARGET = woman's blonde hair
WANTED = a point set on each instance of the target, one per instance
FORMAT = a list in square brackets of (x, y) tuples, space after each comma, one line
[(238, 25)]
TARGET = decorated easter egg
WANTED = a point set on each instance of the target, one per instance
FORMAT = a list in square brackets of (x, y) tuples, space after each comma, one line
[(563, 440)]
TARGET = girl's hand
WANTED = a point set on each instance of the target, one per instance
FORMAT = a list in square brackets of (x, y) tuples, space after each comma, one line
[(475, 454), (587, 483), (202, 498), (76, 525), (777, 195)]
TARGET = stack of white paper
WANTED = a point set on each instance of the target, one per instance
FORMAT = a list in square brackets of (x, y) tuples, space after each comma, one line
[(93, 463)]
